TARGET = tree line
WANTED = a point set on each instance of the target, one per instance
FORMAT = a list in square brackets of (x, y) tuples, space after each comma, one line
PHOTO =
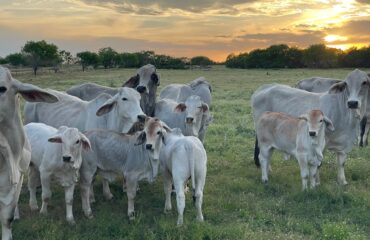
[(38, 54), (314, 56)]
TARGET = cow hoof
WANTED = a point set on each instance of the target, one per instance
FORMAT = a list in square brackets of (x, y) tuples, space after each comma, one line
[(264, 181), (180, 222), (71, 222), (108, 196), (167, 211), (131, 216), (89, 215), (34, 207), (43, 211), (200, 219)]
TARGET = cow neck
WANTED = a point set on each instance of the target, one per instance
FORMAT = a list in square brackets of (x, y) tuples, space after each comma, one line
[(12, 128)]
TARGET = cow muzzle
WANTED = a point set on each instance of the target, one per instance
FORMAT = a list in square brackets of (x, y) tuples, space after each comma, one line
[(189, 120), (312, 133), (149, 146), (67, 159), (352, 104), (141, 89)]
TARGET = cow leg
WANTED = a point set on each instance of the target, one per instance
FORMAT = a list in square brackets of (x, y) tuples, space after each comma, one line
[(91, 193), (180, 199), (313, 172), (19, 188), (33, 183), (7, 217), (341, 161), (131, 194), (69, 202), (85, 185), (106, 190), (199, 182), (124, 187), (366, 134), (167, 183), (264, 157), (302, 160), (46, 192)]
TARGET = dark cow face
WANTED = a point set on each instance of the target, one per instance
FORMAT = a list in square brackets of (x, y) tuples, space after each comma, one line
[(145, 79)]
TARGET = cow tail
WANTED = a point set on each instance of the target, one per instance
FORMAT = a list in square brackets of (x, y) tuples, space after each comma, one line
[(362, 133), (256, 154)]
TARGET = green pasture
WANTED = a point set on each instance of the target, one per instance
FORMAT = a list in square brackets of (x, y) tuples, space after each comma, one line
[(236, 204)]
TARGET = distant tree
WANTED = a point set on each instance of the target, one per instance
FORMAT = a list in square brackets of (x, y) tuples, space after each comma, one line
[(320, 56), (127, 60), (201, 61), (66, 57), (88, 59), (107, 57), (15, 59), (355, 58), (167, 62), (294, 58), (146, 57), (39, 54), (3, 61)]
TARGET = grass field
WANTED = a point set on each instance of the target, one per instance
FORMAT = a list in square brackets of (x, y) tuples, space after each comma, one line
[(236, 204)]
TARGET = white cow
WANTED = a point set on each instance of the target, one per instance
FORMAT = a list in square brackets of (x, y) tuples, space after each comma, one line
[(117, 113), (191, 116), (344, 104), (183, 158), (302, 137), (55, 153), (15, 151), (116, 154)]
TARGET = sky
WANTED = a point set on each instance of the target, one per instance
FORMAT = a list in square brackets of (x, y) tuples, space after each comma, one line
[(183, 28)]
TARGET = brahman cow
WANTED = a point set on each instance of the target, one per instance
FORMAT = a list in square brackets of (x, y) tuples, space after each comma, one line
[(145, 82), (344, 103), (180, 92), (15, 151), (55, 153), (191, 116), (302, 137), (319, 84), (116, 154), (118, 112), (183, 158)]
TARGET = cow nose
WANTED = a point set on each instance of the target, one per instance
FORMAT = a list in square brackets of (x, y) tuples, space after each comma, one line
[(189, 120), (352, 104), (149, 146), (141, 118), (141, 89), (312, 134), (66, 158)]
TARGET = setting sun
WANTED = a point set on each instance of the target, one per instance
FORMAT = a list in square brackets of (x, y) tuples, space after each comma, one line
[(334, 38)]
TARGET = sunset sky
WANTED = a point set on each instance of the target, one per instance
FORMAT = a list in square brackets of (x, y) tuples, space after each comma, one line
[(214, 28)]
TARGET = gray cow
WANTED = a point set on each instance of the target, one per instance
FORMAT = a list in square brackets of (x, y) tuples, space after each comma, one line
[(344, 103), (180, 92), (118, 112), (191, 116), (145, 82), (319, 84), (15, 150), (115, 154)]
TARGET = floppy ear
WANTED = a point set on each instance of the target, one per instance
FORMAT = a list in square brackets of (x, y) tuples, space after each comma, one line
[(180, 107), (132, 82), (329, 123), (155, 78), (304, 117), (32, 93), (141, 138), (107, 106), (85, 142), (205, 107), (338, 87), (55, 139)]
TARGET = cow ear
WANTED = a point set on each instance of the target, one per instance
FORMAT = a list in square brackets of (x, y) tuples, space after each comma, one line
[(107, 106), (132, 82), (85, 142), (55, 139), (180, 107), (155, 78), (329, 123), (141, 138), (304, 117), (32, 93), (337, 88), (205, 107)]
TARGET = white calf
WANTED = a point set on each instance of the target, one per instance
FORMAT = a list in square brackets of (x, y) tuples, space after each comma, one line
[(57, 153), (302, 137), (183, 157)]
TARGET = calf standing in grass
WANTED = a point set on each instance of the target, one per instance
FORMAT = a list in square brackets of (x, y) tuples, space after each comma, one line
[(57, 153), (302, 137), (183, 158)]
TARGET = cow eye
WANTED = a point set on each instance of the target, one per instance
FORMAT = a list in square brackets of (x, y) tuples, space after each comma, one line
[(2, 89), (124, 99), (321, 120), (364, 83), (159, 132), (78, 141)]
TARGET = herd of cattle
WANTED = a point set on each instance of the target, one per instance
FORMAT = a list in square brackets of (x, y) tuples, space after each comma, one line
[(94, 130)]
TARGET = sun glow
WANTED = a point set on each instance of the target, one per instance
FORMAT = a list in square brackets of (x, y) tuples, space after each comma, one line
[(334, 38)]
